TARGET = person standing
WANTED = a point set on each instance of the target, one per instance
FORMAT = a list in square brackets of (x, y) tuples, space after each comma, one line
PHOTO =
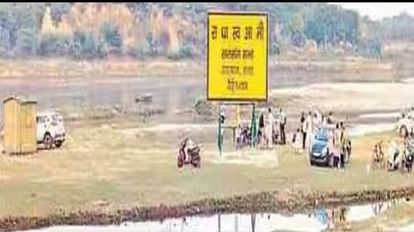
[(282, 126), (239, 137), (324, 122), (189, 146), (296, 141), (344, 140), (330, 118), (337, 135), (315, 122), (222, 119), (261, 134), (309, 132), (269, 128), (303, 129)]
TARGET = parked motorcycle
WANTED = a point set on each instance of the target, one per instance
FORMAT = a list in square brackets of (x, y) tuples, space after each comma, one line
[(408, 157), (245, 138), (194, 153)]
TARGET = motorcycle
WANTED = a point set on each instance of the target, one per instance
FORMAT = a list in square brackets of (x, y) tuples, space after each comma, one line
[(194, 159), (408, 162), (245, 138), (408, 157)]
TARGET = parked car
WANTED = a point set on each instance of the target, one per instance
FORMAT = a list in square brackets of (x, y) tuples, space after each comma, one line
[(50, 129), (319, 153)]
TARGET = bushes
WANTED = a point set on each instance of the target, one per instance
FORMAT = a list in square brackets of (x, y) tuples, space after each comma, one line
[(371, 48), (184, 53), (85, 46), (26, 42), (204, 108), (141, 52), (54, 45), (111, 37), (274, 48), (59, 9)]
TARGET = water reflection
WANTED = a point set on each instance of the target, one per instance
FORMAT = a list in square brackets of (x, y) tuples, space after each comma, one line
[(319, 220)]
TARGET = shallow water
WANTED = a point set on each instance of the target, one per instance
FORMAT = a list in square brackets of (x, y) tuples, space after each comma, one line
[(408, 81), (265, 222), (392, 115), (407, 228), (363, 129)]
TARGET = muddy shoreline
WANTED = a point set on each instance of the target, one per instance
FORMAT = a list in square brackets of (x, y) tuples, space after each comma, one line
[(278, 202)]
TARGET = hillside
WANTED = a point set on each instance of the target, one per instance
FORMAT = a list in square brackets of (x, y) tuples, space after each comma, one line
[(178, 30)]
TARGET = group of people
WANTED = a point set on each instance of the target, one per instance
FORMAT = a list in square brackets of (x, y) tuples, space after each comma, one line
[(400, 154), (311, 124), (272, 129)]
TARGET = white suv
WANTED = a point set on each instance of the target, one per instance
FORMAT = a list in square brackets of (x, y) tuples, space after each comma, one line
[(50, 129)]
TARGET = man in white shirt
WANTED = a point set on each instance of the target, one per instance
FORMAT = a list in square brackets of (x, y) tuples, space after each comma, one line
[(316, 121), (189, 145), (393, 156)]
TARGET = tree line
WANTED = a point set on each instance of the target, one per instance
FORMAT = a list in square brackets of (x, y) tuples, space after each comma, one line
[(290, 25)]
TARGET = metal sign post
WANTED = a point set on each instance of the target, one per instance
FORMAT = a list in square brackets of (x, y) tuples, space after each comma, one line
[(237, 62), (253, 127), (221, 130)]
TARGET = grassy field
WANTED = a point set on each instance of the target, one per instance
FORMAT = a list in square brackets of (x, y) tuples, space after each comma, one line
[(103, 166)]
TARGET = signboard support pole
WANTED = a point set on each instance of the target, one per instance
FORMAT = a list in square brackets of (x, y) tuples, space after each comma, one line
[(237, 64), (220, 131), (254, 126)]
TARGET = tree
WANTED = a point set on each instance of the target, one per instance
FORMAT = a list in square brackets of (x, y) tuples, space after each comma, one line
[(111, 36), (372, 48), (151, 43), (5, 28), (19, 27), (141, 51), (57, 10), (26, 42), (53, 45), (274, 48), (296, 27), (330, 24), (85, 46)]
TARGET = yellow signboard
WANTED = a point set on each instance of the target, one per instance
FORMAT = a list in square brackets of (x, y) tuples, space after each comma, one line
[(237, 56)]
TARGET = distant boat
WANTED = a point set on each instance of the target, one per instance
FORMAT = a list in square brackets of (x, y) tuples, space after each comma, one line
[(146, 98)]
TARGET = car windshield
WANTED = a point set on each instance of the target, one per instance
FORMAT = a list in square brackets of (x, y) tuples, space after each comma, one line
[(322, 135)]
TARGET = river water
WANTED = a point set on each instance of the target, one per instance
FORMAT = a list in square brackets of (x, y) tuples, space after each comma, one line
[(319, 220)]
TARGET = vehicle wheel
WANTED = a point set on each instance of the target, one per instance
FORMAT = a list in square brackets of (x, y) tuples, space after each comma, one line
[(180, 162), (196, 161), (58, 144), (48, 141)]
